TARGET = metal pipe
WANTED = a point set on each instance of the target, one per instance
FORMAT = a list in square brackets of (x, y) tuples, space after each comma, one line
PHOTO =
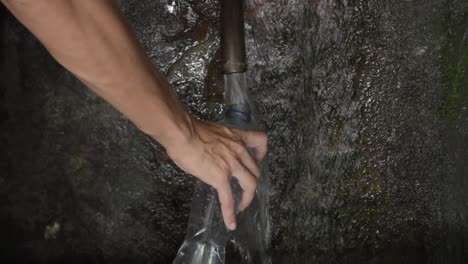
[(232, 36)]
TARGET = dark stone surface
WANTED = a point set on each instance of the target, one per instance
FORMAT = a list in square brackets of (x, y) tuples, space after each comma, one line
[(364, 101)]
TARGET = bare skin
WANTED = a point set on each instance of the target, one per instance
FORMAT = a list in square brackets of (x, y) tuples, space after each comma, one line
[(92, 40)]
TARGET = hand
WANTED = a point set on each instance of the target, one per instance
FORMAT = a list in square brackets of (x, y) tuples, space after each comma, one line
[(214, 153)]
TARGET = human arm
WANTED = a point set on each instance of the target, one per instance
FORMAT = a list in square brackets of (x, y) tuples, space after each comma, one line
[(92, 40)]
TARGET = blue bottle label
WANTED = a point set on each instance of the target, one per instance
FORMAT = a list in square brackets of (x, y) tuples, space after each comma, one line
[(239, 114)]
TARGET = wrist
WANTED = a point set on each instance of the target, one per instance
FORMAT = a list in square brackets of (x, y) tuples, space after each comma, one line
[(179, 132)]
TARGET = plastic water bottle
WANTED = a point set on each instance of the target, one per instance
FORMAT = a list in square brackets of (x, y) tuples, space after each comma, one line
[(207, 235)]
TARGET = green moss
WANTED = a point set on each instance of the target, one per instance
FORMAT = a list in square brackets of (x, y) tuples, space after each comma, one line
[(76, 163), (367, 185), (455, 65)]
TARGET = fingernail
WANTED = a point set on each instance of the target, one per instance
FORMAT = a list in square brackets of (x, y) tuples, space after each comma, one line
[(232, 226)]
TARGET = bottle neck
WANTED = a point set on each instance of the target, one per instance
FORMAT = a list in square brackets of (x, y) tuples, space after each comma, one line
[(235, 89), (238, 111)]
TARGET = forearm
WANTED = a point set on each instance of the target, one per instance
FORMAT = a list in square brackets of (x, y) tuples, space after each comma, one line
[(91, 39)]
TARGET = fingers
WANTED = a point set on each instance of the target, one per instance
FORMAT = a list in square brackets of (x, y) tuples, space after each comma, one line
[(246, 159), (245, 168), (227, 204), (257, 140), (247, 181), (229, 153)]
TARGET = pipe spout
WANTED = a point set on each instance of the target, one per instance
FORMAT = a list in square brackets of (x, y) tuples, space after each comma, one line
[(232, 36)]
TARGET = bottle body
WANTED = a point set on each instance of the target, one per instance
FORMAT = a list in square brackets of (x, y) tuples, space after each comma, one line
[(207, 235)]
